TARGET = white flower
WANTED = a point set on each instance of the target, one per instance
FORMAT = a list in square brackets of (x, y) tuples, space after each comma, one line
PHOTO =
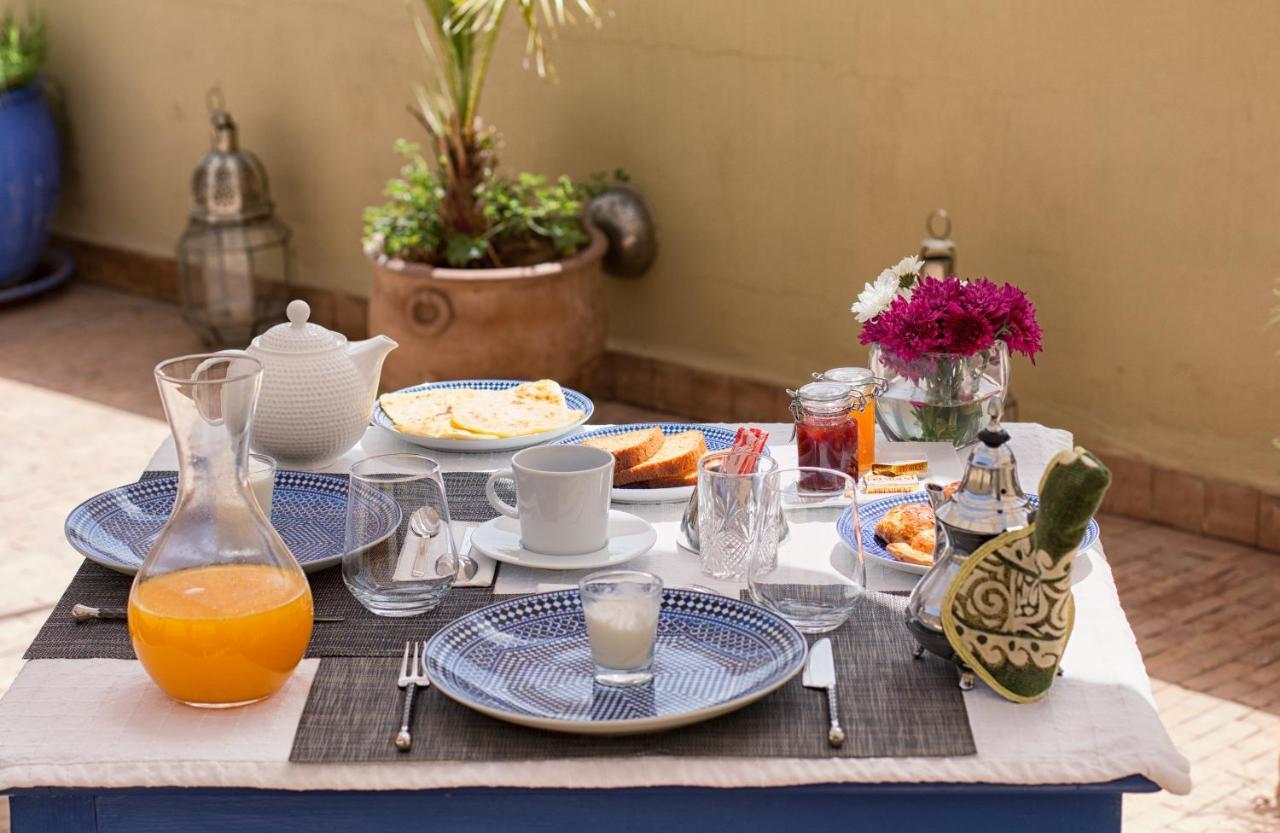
[(908, 266), (876, 297)]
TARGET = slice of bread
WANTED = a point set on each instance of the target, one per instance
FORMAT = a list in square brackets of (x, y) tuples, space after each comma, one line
[(679, 455), (687, 479), (630, 449)]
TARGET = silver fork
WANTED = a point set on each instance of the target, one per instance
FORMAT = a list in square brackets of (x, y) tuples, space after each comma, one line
[(413, 674)]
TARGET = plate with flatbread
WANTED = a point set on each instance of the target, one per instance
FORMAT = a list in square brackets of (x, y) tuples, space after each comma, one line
[(655, 462), (482, 415)]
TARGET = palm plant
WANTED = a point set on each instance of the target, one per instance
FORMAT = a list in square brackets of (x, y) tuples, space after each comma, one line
[(22, 50), (458, 38)]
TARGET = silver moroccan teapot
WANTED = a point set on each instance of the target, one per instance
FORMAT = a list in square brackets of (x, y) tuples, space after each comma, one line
[(988, 502)]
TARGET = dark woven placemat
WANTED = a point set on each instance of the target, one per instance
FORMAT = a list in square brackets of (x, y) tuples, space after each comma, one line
[(891, 706), (360, 634)]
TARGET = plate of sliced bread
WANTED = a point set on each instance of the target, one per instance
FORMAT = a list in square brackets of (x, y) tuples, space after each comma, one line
[(654, 462)]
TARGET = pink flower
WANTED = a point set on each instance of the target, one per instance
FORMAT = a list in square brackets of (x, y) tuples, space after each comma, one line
[(955, 316), (968, 331), (1022, 332)]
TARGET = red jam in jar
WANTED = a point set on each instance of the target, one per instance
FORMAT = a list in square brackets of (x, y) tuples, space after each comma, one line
[(826, 433)]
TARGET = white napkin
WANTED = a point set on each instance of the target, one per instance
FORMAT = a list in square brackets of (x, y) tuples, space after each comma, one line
[(462, 531), (486, 567)]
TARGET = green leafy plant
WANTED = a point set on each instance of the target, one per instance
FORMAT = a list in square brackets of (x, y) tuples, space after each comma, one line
[(449, 206), (22, 50)]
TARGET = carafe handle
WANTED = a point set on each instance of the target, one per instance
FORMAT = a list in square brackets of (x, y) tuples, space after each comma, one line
[(225, 408)]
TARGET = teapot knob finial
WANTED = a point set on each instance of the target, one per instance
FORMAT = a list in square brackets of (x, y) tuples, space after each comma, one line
[(298, 311)]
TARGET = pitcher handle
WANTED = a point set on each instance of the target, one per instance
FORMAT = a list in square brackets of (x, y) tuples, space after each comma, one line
[(213, 359), (217, 415)]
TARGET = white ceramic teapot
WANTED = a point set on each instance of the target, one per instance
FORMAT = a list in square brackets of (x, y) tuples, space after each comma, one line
[(317, 389)]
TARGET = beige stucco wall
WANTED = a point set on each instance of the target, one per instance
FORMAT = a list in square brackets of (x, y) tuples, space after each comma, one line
[(1117, 160)]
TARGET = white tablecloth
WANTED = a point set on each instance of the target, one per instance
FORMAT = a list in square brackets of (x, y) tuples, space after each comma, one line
[(101, 723)]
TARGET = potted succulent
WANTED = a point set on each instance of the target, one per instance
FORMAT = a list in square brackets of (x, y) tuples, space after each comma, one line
[(30, 170), (942, 347), (477, 274)]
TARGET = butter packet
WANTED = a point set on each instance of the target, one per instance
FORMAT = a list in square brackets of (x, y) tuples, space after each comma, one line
[(883, 484), (901, 467)]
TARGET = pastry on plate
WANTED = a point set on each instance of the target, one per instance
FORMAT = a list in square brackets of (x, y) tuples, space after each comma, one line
[(908, 533), (909, 554), (902, 523)]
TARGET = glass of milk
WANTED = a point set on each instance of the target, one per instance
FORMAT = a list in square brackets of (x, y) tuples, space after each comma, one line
[(621, 608), (262, 480)]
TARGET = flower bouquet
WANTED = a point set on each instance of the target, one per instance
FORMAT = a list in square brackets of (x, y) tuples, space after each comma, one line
[(942, 347)]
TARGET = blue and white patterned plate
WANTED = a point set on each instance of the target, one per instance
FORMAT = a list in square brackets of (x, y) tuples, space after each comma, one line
[(528, 661), (718, 439), (117, 528), (871, 513), (574, 400)]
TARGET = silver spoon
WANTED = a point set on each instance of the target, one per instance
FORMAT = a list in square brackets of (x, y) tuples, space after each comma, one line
[(426, 523)]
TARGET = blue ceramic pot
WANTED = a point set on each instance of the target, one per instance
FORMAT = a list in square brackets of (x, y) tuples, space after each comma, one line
[(29, 178)]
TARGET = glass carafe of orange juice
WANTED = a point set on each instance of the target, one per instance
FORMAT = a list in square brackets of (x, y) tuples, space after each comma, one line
[(870, 386), (220, 613)]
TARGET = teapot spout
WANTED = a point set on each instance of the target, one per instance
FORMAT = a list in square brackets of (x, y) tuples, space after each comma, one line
[(368, 356)]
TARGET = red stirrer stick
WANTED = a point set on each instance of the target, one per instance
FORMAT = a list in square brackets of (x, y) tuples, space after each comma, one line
[(748, 444)]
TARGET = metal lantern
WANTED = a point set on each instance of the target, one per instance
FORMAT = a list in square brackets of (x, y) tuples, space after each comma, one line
[(233, 257), (938, 251)]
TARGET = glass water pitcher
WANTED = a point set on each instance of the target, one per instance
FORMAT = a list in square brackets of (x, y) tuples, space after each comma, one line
[(220, 613)]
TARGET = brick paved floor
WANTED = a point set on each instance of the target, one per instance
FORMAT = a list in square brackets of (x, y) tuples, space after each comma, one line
[(1207, 617), (79, 413)]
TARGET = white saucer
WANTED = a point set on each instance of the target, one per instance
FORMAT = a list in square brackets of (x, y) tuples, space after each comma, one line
[(629, 537)]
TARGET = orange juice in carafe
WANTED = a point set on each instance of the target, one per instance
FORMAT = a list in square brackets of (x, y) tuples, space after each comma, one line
[(222, 635), (220, 611)]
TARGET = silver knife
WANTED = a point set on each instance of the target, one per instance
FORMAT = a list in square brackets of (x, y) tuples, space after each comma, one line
[(820, 672)]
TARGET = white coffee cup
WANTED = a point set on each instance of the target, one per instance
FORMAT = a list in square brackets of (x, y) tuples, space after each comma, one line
[(562, 498)]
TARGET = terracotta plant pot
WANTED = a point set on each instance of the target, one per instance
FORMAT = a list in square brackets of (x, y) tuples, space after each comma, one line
[(528, 322)]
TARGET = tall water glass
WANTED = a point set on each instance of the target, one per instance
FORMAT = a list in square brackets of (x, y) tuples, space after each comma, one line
[(730, 515), (411, 570), (809, 576), (262, 479)]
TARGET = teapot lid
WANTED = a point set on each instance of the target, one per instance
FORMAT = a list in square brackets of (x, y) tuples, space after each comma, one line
[(299, 335), (990, 499)]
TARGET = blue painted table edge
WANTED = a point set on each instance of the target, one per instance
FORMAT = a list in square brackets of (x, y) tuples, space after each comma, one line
[(903, 808)]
